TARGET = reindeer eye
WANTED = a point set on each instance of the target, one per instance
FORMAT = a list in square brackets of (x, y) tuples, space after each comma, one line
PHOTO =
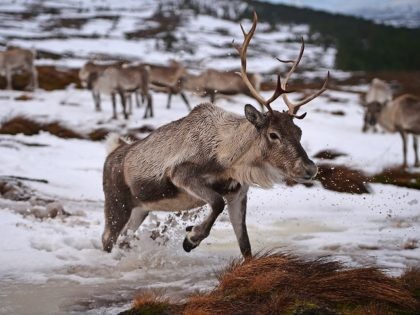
[(274, 136)]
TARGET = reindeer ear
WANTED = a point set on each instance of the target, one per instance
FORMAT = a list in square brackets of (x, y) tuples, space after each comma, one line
[(254, 116)]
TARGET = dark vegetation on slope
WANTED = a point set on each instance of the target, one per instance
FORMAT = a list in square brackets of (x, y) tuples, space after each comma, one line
[(361, 44), (277, 283)]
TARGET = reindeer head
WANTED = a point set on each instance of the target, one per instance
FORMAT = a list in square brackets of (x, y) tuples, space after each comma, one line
[(372, 112), (279, 137)]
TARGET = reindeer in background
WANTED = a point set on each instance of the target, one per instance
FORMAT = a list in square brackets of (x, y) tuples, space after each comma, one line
[(14, 60), (89, 73), (379, 93), (400, 115), (204, 158), (123, 81), (169, 79), (212, 82)]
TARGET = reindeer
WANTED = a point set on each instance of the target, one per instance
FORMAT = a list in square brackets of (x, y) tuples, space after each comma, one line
[(123, 81), (89, 73), (401, 115), (379, 92), (18, 59), (169, 79), (211, 82), (204, 158)]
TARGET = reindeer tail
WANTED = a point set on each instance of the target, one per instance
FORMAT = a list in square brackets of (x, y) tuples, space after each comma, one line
[(113, 141)]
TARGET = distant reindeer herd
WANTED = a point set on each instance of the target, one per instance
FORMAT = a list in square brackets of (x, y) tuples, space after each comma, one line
[(122, 80)]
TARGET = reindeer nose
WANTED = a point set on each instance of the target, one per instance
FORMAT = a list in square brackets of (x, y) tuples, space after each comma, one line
[(310, 171)]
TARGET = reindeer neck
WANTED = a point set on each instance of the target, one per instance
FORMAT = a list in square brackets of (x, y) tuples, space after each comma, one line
[(238, 139)]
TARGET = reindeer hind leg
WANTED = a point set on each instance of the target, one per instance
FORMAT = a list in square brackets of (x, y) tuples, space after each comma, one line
[(117, 213)]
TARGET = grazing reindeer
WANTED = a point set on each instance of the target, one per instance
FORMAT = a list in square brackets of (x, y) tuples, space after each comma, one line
[(89, 73), (209, 155), (123, 81), (18, 59), (400, 115), (169, 79), (213, 81), (379, 92)]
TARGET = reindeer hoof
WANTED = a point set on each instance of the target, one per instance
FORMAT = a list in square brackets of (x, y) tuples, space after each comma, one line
[(188, 245)]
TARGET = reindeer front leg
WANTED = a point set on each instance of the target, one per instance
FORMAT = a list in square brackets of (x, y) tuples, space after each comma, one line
[(188, 177), (237, 213), (9, 78)]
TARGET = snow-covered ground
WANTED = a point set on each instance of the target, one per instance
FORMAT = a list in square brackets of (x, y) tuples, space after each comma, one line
[(63, 255), (56, 265)]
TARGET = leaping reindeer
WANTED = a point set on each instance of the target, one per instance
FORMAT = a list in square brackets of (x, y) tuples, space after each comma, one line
[(207, 157)]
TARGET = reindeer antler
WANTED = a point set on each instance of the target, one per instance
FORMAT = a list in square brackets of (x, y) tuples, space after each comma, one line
[(242, 53), (281, 87), (294, 107)]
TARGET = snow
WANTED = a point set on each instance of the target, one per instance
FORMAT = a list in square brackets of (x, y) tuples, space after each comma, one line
[(58, 262)]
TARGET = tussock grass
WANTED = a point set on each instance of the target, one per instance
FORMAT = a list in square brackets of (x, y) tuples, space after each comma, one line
[(23, 125), (278, 283)]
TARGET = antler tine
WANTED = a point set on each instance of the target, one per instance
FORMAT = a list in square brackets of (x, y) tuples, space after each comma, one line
[(294, 107), (279, 91), (242, 53)]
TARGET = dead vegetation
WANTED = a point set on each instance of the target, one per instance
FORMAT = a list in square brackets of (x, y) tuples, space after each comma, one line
[(277, 283), (328, 155), (24, 125), (342, 179), (29, 127), (398, 177)]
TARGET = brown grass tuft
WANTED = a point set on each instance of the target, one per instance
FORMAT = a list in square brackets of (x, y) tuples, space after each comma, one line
[(29, 127), (342, 179), (24, 97), (152, 303), (276, 283), (98, 134), (398, 177), (328, 154), (410, 280)]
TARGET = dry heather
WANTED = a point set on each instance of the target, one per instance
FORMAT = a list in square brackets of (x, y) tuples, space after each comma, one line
[(398, 177), (26, 126), (277, 283), (342, 179)]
